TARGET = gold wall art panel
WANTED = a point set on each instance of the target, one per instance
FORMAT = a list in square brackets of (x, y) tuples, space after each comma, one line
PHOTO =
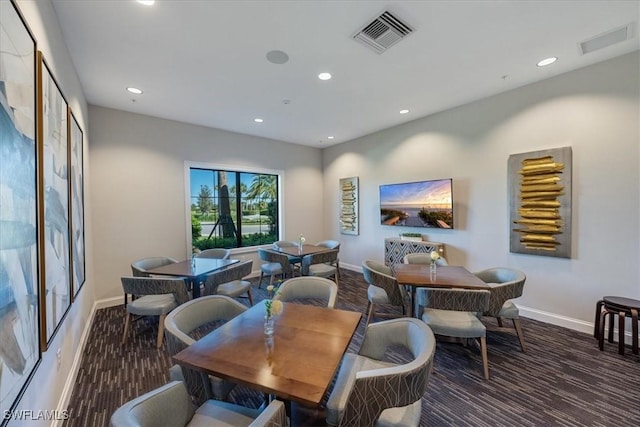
[(540, 202), (349, 205)]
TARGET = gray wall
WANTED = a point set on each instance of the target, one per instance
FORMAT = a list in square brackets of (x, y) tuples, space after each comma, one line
[(138, 181), (594, 110)]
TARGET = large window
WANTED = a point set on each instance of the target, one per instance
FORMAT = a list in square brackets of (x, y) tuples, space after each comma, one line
[(231, 209)]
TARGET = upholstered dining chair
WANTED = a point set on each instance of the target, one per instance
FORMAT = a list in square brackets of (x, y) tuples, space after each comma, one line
[(170, 406), (155, 297), (308, 287), (139, 268), (218, 253), (371, 391), (180, 327), (421, 258), (320, 264), (275, 263), (293, 260), (229, 282), (332, 244), (455, 313), (506, 284), (383, 289)]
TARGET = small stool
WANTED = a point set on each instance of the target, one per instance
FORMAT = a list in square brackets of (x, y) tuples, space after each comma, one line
[(623, 307)]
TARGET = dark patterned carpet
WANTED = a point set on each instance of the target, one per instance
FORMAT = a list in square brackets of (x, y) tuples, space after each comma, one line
[(562, 380)]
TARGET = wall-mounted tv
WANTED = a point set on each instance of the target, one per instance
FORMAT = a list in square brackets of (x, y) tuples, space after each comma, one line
[(417, 204)]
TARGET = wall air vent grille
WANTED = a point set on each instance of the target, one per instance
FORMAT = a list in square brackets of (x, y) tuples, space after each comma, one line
[(607, 39), (383, 32)]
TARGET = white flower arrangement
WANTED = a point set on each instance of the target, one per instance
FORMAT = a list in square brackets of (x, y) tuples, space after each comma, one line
[(435, 256), (301, 240)]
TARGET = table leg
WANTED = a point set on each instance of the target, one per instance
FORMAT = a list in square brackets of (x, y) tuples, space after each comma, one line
[(621, 317), (601, 322), (195, 287)]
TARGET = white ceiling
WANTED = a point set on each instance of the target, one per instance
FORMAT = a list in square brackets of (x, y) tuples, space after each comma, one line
[(203, 62)]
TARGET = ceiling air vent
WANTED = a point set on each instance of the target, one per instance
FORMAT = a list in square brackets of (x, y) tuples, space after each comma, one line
[(607, 39), (383, 32)]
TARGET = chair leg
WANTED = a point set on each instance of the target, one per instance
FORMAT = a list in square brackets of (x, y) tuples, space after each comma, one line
[(603, 319), (518, 326), (250, 297), (127, 321), (160, 330), (371, 309), (621, 316), (634, 330), (499, 321), (485, 360), (261, 277), (596, 323)]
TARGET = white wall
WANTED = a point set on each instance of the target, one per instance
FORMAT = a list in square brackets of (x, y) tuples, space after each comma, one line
[(50, 382), (137, 168), (594, 110)]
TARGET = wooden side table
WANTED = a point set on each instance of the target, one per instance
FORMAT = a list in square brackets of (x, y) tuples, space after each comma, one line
[(623, 308)]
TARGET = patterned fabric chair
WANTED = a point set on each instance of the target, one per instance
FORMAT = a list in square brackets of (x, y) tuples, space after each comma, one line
[(180, 325), (455, 313), (275, 263), (293, 260), (218, 253), (320, 264), (170, 406), (308, 288), (506, 284), (139, 268), (370, 391), (156, 297), (332, 244), (383, 288), (421, 293), (228, 282)]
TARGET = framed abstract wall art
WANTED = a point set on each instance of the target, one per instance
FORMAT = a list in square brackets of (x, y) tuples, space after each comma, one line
[(54, 202), (76, 183), (540, 202), (349, 205), (19, 290)]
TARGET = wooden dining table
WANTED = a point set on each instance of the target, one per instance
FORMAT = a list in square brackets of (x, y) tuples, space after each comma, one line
[(300, 252), (446, 276), (194, 270), (297, 364)]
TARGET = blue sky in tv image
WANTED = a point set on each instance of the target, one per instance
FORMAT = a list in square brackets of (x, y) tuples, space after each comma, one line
[(417, 204)]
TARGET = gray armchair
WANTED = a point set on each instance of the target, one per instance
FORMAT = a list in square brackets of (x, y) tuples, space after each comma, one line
[(170, 406), (139, 268), (506, 284), (308, 288), (218, 253), (180, 325), (275, 263), (383, 288), (320, 264), (287, 244), (332, 244), (371, 391), (455, 313), (228, 282), (156, 297)]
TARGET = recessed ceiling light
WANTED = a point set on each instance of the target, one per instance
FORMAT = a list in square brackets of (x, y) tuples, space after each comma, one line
[(547, 61), (324, 76), (330, 137), (404, 111), (146, 2), (135, 90), (258, 120)]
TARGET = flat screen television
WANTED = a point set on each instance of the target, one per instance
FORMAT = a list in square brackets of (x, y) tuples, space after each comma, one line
[(417, 204)]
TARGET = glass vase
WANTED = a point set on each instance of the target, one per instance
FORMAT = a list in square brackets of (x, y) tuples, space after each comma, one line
[(433, 267), (268, 326)]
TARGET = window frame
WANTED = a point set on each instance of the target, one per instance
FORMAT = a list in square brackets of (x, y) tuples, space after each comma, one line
[(188, 165)]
